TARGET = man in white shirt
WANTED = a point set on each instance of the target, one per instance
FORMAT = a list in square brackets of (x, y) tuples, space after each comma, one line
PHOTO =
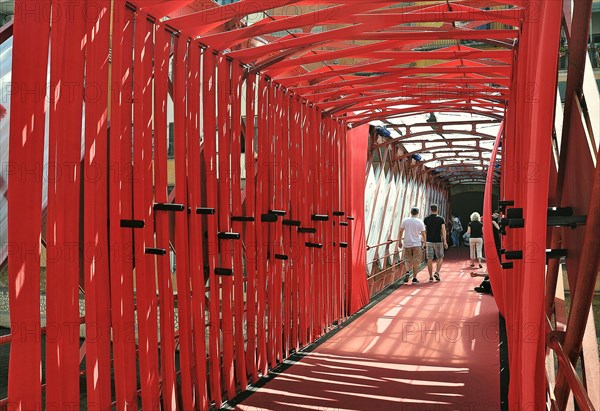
[(413, 229)]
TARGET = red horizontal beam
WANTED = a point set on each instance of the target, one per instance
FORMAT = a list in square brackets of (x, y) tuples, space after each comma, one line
[(393, 81), (350, 81), (510, 17), (422, 93), (358, 33), (382, 105), (367, 52), (440, 35), (497, 70), (445, 149), (453, 123), (347, 14), (205, 20), (269, 25), (360, 119), (481, 136), (426, 107)]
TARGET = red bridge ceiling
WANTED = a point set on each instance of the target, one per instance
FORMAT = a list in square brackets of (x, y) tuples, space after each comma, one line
[(436, 74)]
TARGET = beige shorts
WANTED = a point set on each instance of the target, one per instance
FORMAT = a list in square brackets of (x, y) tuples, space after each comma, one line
[(413, 254)]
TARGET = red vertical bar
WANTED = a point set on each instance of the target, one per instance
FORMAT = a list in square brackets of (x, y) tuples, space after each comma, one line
[(319, 236), (266, 160), (287, 283), (325, 188), (327, 136), (269, 163), (149, 280), (312, 296), (261, 229), (302, 212), (120, 204), (324, 225), (142, 200), (30, 31), (120, 20), (292, 246), (335, 224), (64, 171), (340, 206), (342, 229), (224, 213), (196, 257), (210, 161), (236, 153), (334, 264), (279, 204), (297, 244), (95, 233), (338, 227), (162, 50), (307, 297), (249, 233), (182, 223), (349, 229)]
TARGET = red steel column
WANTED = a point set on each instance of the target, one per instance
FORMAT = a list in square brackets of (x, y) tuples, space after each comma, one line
[(62, 239), (25, 202), (95, 230), (249, 233), (180, 62), (269, 161), (120, 206), (285, 231), (261, 229), (162, 51), (195, 235), (279, 140), (142, 206), (239, 286), (210, 160), (292, 249), (223, 213)]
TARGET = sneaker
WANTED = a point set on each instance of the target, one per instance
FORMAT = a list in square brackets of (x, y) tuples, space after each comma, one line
[(430, 279), (437, 277), (415, 281), (406, 277), (479, 290)]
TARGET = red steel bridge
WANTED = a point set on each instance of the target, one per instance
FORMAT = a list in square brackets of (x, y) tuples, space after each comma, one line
[(184, 198)]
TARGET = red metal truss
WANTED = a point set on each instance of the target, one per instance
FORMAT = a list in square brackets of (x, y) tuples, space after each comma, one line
[(266, 217)]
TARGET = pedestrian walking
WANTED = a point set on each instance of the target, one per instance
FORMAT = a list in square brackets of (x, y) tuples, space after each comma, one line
[(436, 242), (414, 241), (475, 231)]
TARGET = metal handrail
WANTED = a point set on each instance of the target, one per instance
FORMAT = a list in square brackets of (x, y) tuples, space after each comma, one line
[(380, 244)]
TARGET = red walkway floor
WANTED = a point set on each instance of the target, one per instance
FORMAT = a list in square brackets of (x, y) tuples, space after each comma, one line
[(427, 346)]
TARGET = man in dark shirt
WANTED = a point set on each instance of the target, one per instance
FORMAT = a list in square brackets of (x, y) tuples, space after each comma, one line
[(436, 242)]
